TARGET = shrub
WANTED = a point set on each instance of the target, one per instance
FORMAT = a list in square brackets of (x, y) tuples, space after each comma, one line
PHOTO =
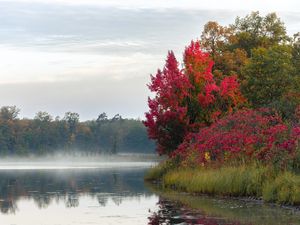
[(242, 136)]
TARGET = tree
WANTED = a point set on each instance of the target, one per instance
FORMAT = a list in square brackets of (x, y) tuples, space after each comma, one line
[(215, 37), (230, 47), (255, 31), (296, 53), (72, 120), (187, 99), (43, 132), (8, 113), (230, 62), (269, 75), (220, 42), (102, 118), (166, 120), (116, 117), (43, 116), (8, 129), (266, 61), (43, 135)]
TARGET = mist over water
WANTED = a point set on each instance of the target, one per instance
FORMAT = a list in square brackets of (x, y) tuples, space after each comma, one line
[(74, 196), (77, 161)]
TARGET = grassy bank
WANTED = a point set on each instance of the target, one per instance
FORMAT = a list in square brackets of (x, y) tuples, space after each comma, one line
[(247, 180)]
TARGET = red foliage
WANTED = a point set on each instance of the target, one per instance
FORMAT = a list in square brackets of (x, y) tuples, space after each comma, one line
[(166, 120), (249, 134), (198, 65), (187, 99)]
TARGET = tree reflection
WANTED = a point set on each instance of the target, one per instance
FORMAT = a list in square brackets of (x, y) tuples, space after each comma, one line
[(44, 187), (102, 199), (42, 200), (8, 206), (72, 201), (171, 212)]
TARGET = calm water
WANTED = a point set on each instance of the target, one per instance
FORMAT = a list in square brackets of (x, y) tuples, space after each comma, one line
[(114, 194)]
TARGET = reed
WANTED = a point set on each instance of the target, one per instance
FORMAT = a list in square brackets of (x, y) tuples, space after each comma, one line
[(256, 181)]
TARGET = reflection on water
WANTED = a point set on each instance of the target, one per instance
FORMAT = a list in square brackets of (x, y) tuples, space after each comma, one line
[(183, 208), (44, 187), (89, 196), (117, 196), (171, 212)]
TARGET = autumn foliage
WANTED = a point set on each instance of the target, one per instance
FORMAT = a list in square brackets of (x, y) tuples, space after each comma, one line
[(245, 135), (219, 142), (188, 98), (198, 111), (199, 118)]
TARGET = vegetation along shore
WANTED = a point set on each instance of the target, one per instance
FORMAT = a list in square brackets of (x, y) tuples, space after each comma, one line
[(228, 118)]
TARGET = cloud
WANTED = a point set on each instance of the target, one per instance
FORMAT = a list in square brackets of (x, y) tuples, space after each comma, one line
[(75, 43), (93, 56), (266, 5), (21, 65), (88, 97)]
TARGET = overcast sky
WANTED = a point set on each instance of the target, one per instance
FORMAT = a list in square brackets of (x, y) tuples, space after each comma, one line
[(93, 56)]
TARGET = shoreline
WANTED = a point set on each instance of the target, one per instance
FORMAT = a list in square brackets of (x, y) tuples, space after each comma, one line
[(249, 199), (233, 209), (246, 183)]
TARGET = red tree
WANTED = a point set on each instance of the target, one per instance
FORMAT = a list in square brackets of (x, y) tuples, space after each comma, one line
[(166, 120), (187, 99)]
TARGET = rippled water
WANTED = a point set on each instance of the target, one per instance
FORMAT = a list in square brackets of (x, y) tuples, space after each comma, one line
[(114, 193)]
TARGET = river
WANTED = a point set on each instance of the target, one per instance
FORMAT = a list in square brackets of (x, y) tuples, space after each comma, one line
[(115, 193)]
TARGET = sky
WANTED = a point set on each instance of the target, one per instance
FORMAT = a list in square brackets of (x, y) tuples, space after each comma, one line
[(94, 56)]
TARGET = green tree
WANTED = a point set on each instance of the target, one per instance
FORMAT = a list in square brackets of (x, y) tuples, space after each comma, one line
[(43, 117), (296, 53), (43, 133), (71, 119), (255, 31), (9, 113), (8, 130), (269, 75)]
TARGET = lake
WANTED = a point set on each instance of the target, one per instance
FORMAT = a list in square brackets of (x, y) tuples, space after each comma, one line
[(114, 193)]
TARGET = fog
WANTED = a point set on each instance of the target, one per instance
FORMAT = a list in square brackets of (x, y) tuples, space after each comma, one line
[(62, 161)]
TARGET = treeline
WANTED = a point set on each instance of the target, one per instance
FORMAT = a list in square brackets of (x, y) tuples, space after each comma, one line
[(47, 135)]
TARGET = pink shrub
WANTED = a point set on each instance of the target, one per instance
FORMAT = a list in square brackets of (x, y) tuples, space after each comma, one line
[(247, 134)]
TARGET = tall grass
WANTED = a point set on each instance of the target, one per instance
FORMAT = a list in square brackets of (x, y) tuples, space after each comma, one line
[(245, 180), (284, 189), (232, 181), (157, 172)]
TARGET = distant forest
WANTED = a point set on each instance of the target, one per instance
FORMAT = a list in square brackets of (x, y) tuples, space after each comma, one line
[(47, 135)]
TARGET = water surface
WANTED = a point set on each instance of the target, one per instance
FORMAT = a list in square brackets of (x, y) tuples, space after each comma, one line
[(100, 195), (114, 193)]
